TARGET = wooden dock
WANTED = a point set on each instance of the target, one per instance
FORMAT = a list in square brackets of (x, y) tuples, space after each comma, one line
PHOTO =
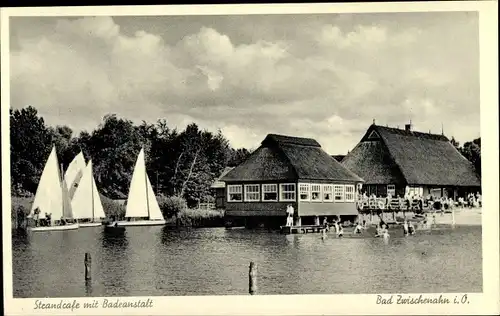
[(304, 229)]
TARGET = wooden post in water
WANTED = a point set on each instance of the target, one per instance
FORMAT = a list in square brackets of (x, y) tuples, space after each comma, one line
[(88, 266), (252, 278)]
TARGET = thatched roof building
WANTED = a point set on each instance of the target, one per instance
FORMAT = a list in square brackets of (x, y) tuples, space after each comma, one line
[(290, 170), (408, 159), (284, 158)]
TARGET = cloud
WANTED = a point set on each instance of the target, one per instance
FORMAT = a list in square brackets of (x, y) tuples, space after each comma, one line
[(324, 79)]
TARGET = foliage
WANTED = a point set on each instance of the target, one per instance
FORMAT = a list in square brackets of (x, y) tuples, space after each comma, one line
[(171, 205), (471, 151), (179, 163), (200, 218), (21, 207), (113, 209)]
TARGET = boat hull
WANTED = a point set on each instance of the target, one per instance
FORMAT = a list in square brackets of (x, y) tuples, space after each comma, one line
[(142, 223), (90, 224), (54, 228)]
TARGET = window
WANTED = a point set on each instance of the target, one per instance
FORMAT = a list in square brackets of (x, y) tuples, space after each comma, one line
[(316, 192), (234, 193), (349, 193), (287, 191), (391, 189), (338, 193), (327, 192), (252, 192), (269, 192), (304, 191)]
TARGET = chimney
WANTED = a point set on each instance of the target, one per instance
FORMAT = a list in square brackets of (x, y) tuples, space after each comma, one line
[(408, 127)]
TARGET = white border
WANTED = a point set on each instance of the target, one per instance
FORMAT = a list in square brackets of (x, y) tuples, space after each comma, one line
[(484, 303)]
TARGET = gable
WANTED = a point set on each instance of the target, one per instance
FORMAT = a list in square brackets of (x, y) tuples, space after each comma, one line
[(373, 136)]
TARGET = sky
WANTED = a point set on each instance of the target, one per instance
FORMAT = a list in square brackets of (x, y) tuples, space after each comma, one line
[(323, 76)]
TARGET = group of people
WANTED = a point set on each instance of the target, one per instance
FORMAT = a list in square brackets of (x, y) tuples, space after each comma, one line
[(407, 202), (47, 221)]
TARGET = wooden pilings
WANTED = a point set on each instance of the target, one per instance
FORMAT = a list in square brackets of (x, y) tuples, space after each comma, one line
[(252, 278), (88, 266)]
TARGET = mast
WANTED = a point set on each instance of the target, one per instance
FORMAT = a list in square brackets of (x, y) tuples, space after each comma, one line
[(92, 189), (146, 182), (62, 187)]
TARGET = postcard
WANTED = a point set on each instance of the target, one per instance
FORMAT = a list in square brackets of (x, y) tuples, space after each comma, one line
[(279, 159)]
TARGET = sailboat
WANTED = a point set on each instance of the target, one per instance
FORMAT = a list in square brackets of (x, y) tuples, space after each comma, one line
[(52, 197), (74, 173), (141, 201), (86, 203)]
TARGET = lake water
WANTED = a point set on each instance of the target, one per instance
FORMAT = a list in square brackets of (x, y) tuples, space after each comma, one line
[(214, 261)]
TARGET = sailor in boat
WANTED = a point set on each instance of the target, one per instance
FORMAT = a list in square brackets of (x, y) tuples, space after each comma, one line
[(62, 222), (36, 216)]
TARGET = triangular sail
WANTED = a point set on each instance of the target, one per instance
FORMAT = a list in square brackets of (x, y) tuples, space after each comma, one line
[(74, 173), (141, 199), (49, 196), (86, 202), (66, 201), (154, 209)]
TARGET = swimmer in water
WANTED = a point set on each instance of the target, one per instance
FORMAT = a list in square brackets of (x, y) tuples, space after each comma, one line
[(340, 232), (385, 234), (405, 228), (411, 229), (358, 228)]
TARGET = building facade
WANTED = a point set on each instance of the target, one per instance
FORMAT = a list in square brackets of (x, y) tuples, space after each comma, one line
[(400, 161), (293, 171), (219, 188)]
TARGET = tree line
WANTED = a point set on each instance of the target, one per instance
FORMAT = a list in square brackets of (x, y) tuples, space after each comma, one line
[(470, 150), (179, 163)]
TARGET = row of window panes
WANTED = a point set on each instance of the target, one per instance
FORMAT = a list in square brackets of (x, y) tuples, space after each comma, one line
[(326, 192), (307, 192), (269, 192)]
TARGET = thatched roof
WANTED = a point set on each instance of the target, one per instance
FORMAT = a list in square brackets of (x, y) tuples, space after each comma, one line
[(218, 183), (290, 158), (391, 155)]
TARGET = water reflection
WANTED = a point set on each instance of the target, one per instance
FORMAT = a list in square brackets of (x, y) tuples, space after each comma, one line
[(207, 261), (115, 263)]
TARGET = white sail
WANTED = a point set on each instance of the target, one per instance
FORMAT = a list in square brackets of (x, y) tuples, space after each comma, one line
[(74, 173), (49, 196), (141, 199), (86, 202), (154, 209), (66, 201)]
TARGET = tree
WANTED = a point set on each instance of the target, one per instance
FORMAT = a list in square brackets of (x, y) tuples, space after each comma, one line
[(472, 151), (30, 145), (114, 147)]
